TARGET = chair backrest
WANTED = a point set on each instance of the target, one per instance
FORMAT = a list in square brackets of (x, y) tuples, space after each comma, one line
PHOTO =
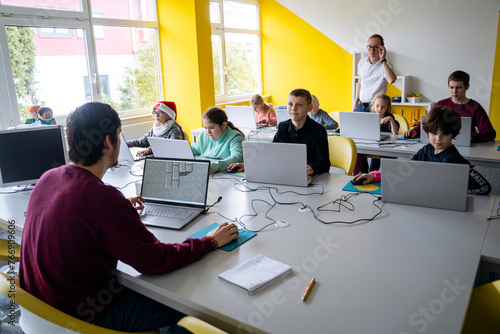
[(39, 317), (196, 325), (483, 314), (343, 153), (185, 135), (335, 116), (403, 123)]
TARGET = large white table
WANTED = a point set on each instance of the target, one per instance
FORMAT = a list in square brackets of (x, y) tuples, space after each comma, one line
[(409, 270)]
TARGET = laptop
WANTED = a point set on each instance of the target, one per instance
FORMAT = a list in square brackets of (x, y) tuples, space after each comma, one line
[(360, 125), (177, 186), (423, 183), (170, 148), (462, 139), (126, 154), (241, 116), (282, 115), (276, 163)]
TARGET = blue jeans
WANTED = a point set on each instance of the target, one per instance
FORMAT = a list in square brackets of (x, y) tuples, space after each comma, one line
[(133, 312), (361, 108)]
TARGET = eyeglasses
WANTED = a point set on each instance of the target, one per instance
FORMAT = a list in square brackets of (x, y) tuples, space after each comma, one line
[(369, 47), (159, 113), (47, 114)]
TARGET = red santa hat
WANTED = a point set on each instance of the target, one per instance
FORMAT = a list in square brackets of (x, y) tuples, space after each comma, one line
[(168, 108)]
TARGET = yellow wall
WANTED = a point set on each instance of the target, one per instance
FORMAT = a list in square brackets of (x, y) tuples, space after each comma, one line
[(494, 112), (296, 55), (186, 55)]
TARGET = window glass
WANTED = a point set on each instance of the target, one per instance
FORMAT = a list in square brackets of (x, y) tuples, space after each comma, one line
[(128, 57), (240, 15), (69, 5), (218, 66), (141, 10), (47, 70), (242, 58), (214, 12)]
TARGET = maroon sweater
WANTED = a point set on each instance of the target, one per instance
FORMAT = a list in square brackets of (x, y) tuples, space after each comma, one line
[(76, 230)]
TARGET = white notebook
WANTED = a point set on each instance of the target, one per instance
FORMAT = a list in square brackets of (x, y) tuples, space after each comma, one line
[(256, 274)]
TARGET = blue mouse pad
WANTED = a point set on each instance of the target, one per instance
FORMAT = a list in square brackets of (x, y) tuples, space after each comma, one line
[(241, 174), (403, 138), (498, 148), (373, 188), (243, 236)]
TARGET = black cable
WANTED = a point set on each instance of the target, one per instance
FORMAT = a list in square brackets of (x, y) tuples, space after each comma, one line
[(497, 216)]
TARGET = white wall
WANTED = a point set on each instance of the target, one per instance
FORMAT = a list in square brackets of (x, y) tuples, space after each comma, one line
[(425, 39)]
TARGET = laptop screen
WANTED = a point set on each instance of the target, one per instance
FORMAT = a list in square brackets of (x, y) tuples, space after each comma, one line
[(170, 181)]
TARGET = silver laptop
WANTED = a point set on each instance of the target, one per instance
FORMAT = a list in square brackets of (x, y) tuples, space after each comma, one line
[(170, 148), (175, 191), (241, 116), (276, 163), (282, 115), (462, 139), (125, 153), (360, 125), (422, 183)]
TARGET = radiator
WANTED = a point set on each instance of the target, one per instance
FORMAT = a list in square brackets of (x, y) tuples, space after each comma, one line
[(136, 131)]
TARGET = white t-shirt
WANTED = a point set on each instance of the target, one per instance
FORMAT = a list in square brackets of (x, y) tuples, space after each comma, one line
[(373, 80)]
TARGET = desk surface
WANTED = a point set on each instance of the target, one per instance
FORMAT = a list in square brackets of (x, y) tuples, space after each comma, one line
[(410, 270), (381, 276), (491, 247)]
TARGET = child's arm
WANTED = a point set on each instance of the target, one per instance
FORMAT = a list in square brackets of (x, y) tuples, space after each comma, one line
[(393, 125)]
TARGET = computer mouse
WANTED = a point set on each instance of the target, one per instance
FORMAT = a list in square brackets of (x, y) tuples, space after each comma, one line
[(358, 181), (232, 170)]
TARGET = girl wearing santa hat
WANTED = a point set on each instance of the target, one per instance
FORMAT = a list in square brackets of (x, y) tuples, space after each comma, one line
[(221, 140), (165, 126)]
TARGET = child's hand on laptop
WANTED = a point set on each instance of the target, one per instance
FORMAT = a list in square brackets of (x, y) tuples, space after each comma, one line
[(143, 153), (310, 171), (137, 202), (224, 234)]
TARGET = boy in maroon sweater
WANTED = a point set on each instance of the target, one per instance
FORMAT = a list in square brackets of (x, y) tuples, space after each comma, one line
[(77, 228), (458, 84)]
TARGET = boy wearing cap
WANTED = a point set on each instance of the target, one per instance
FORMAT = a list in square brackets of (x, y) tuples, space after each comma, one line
[(165, 126)]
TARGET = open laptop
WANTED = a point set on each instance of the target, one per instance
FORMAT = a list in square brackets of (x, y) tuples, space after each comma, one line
[(125, 153), (276, 163), (360, 125), (178, 186), (462, 139), (241, 116), (282, 115), (170, 148), (422, 183)]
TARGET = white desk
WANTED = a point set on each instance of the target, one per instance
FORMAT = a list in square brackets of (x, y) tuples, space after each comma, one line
[(411, 268), (376, 277)]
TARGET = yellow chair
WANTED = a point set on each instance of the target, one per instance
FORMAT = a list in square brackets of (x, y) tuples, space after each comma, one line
[(343, 153), (9, 249), (335, 116), (196, 326), (39, 317), (403, 123), (483, 314)]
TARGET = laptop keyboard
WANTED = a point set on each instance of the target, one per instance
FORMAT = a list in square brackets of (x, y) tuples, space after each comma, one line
[(166, 212)]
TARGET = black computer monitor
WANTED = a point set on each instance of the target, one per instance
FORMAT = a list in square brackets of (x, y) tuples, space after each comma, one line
[(26, 153)]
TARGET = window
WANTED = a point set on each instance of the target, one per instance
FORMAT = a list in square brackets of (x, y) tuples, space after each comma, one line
[(235, 48), (66, 55)]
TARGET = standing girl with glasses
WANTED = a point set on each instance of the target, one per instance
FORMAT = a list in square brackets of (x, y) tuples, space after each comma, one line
[(374, 72)]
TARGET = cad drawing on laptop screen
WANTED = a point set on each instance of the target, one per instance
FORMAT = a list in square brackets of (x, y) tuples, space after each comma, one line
[(174, 181)]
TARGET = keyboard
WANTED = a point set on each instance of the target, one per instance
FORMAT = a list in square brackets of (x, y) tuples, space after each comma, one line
[(163, 211)]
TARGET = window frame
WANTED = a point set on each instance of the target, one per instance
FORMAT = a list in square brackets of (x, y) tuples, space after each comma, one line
[(220, 30), (40, 18)]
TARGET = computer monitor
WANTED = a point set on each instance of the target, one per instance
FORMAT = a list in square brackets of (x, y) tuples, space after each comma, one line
[(27, 153)]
